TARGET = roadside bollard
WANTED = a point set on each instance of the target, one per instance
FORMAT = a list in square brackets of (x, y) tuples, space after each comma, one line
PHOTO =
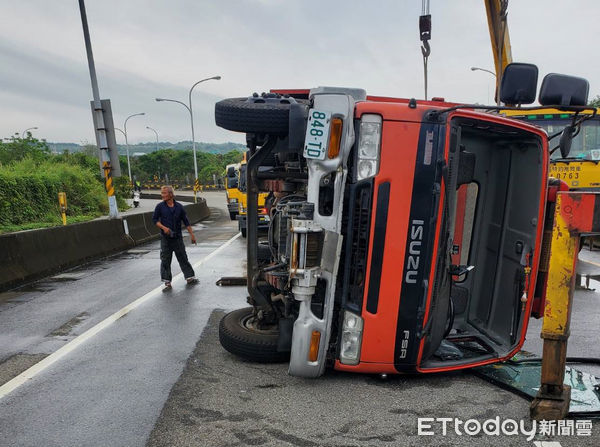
[(196, 189), (62, 203)]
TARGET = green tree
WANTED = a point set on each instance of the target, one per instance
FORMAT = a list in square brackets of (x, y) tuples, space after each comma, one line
[(182, 165), (206, 174), (595, 102), (179, 164), (232, 157), (17, 148), (91, 150)]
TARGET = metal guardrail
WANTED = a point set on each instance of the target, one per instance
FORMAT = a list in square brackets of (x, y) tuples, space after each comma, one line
[(178, 186)]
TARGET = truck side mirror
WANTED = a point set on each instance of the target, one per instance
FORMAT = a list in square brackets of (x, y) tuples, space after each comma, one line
[(563, 90), (566, 138), (519, 83)]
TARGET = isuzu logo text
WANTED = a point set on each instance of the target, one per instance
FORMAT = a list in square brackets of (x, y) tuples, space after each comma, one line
[(414, 251), (404, 348)]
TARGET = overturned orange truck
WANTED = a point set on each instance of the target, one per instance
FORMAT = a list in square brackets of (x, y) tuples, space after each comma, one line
[(405, 235)]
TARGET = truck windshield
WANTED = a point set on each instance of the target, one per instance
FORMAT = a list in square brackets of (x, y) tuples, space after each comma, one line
[(586, 145), (242, 184)]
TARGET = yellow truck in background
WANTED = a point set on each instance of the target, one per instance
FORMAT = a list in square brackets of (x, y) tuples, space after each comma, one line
[(232, 191), (581, 170), (263, 217), (235, 183)]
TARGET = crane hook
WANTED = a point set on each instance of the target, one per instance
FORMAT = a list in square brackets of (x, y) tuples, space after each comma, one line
[(425, 35)]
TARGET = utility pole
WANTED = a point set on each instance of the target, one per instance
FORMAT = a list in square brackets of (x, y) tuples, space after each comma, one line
[(104, 131)]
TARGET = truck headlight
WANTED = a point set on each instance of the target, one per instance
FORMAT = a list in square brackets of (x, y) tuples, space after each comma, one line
[(369, 146), (352, 329), (233, 200)]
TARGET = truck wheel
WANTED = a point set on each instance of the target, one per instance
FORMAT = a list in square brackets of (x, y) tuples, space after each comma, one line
[(232, 215), (239, 336), (267, 114)]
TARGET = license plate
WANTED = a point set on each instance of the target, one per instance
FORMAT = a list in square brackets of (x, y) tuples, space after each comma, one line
[(317, 134)]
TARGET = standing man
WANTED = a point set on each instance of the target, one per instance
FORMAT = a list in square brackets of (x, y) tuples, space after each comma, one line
[(168, 216)]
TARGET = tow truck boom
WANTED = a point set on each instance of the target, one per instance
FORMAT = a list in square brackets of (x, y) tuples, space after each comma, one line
[(496, 11)]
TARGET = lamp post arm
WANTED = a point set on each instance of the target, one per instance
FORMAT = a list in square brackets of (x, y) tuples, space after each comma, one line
[(174, 100), (216, 78), (483, 69), (156, 133)]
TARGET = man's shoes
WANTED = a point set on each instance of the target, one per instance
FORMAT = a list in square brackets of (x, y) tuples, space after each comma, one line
[(191, 281), (167, 286)]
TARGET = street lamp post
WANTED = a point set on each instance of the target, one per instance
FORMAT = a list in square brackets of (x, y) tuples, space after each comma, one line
[(153, 130), (127, 142), (189, 108), (494, 75), (24, 134)]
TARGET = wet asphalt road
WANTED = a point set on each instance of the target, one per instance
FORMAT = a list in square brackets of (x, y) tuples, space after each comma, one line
[(110, 390), (158, 376)]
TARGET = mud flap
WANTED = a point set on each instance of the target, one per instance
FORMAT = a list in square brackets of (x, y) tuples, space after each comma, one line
[(286, 326)]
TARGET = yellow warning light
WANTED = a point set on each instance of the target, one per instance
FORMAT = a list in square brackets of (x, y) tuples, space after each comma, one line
[(313, 352), (335, 137)]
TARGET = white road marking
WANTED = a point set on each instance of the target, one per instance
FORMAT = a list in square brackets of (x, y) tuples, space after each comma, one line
[(593, 263), (30, 373)]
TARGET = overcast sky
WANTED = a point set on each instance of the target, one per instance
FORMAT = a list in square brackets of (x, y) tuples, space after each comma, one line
[(158, 48)]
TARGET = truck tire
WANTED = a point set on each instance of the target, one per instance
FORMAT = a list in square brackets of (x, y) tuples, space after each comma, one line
[(232, 215), (239, 338), (267, 114)]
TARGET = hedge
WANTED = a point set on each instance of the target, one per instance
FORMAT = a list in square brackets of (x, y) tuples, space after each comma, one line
[(29, 191)]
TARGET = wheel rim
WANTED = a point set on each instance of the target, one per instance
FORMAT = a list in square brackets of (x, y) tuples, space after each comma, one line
[(248, 322)]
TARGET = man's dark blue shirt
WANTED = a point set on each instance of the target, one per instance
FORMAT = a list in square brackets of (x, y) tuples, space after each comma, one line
[(171, 217)]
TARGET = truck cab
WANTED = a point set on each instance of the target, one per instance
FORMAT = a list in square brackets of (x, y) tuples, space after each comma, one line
[(232, 192)]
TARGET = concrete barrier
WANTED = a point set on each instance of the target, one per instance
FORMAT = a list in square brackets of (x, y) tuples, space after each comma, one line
[(197, 211), (32, 254), (141, 229)]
